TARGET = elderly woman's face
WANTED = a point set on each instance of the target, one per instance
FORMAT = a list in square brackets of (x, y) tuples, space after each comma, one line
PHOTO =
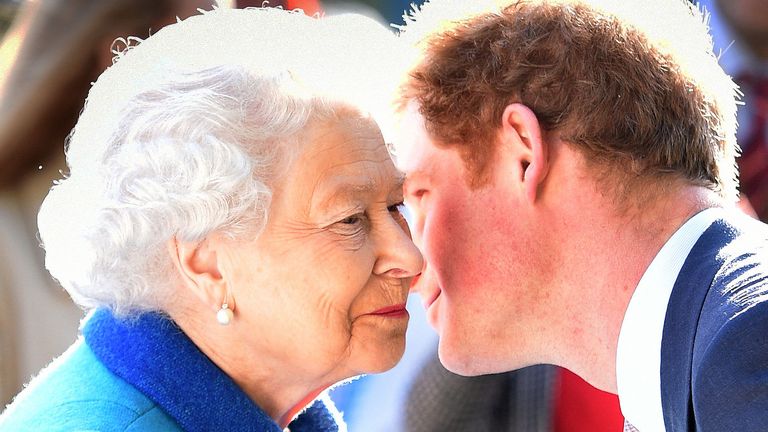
[(324, 286)]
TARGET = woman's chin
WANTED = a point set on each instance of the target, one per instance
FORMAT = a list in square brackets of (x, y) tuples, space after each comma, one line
[(382, 360), (377, 344)]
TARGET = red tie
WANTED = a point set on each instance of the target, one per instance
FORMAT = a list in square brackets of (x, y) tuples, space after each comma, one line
[(753, 163)]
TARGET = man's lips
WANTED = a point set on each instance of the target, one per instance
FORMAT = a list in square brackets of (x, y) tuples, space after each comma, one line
[(427, 297), (391, 311), (431, 299), (414, 281)]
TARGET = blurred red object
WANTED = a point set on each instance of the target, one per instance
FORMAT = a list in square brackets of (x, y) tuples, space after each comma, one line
[(310, 7), (579, 407)]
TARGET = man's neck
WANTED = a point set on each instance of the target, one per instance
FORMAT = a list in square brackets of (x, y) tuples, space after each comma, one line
[(616, 250)]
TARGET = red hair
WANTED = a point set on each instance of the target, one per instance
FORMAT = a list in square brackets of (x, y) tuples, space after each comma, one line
[(595, 80)]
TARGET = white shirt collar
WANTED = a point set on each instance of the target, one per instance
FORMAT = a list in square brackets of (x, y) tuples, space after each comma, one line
[(638, 355)]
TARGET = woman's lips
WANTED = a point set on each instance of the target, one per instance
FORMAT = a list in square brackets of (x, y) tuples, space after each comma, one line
[(391, 311)]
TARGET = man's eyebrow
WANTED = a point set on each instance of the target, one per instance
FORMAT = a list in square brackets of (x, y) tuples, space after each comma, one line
[(418, 174)]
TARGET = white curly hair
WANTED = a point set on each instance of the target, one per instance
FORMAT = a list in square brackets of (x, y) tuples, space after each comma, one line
[(188, 133)]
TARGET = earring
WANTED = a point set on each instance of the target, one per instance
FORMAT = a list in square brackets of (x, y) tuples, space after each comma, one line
[(224, 315)]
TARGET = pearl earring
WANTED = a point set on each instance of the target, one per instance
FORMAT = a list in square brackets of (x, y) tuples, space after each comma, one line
[(224, 315)]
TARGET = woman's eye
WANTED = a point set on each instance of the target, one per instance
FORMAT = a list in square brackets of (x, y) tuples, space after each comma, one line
[(351, 220), (399, 207)]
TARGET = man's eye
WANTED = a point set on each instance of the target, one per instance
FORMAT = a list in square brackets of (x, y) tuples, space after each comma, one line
[(415, 196)]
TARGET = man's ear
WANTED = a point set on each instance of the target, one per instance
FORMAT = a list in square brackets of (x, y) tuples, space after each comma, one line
[(198, 267), (520, 129)]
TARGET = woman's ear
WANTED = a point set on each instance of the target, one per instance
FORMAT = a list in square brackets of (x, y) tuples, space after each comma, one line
[(198, 267), (521, 131)]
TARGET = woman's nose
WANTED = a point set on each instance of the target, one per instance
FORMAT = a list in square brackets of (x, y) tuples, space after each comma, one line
[(398, 255)]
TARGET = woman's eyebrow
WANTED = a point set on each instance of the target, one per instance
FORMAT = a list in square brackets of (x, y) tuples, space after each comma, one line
[(341, 189), (348, 188), (399, 182)]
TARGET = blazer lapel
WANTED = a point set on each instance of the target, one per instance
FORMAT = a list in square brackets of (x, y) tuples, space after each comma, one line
[(682, 317)]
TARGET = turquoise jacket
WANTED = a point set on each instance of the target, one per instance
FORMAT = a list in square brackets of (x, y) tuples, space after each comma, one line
[(76, 392), (142, 375)]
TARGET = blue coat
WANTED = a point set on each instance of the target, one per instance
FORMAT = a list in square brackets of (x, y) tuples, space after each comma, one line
[(714, 353), (142, 375)]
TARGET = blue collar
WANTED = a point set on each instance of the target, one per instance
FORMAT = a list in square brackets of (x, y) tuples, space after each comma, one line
[(152, 354)]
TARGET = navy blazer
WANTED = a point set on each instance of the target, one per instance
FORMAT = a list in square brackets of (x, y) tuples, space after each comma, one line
[(714, 350)]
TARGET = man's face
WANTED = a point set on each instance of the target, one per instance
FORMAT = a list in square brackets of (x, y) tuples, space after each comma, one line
[(479, 265)]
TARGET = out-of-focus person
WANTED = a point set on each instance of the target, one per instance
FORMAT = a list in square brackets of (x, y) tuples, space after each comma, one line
[(231, 219), (740, 35), (49, 57)]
